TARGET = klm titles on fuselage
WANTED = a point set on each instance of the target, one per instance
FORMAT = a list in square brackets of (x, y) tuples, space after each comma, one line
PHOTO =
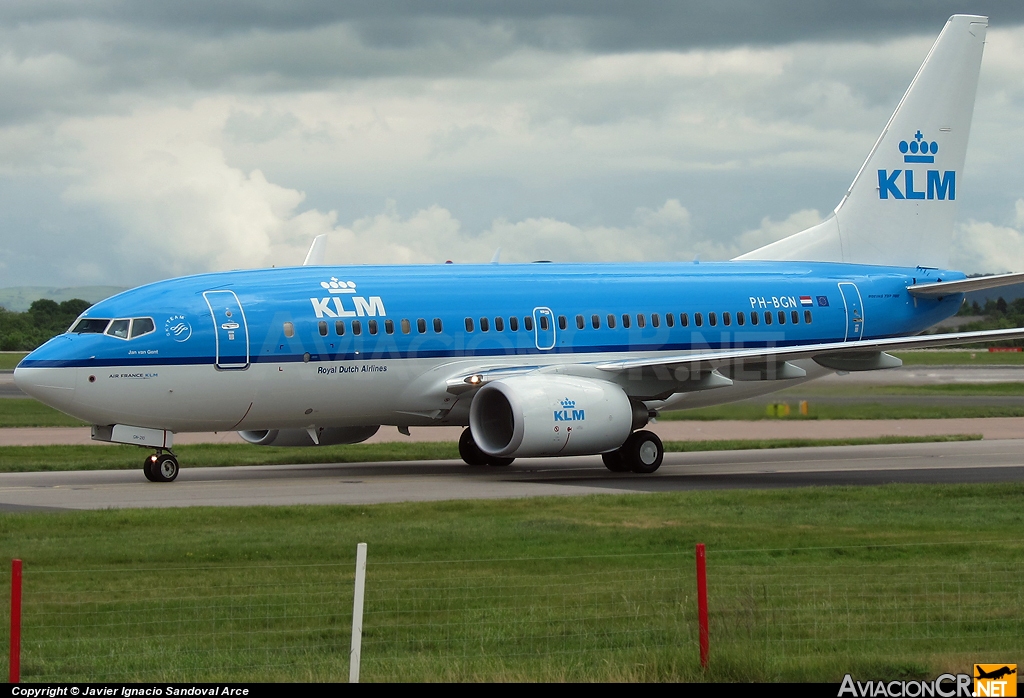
[(334, 305), (937, 185)]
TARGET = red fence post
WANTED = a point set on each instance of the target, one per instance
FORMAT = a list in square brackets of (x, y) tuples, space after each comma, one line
[(15, 665), (702, 603)]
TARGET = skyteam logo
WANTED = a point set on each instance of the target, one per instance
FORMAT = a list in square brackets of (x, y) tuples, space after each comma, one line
[(334, 305), (938, 185), (177, 328), (569, 413)]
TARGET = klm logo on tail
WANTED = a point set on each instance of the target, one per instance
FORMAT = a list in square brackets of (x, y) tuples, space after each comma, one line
[(937, 185)]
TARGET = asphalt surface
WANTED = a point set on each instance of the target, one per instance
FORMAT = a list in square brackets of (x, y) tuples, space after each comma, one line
[(956, 462)]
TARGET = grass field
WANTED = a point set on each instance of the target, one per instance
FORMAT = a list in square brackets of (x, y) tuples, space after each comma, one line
[(15, 459), (804, 584), (10, 359)]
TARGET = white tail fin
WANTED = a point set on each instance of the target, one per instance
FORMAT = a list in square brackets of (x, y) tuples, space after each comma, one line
[(902, 203)]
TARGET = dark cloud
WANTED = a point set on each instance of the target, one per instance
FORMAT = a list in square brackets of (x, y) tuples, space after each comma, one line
[(598, 25)]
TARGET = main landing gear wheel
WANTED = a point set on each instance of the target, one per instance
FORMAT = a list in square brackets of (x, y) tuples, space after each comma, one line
[(469, 451), (161, 467), (614, 462), (643, 452)]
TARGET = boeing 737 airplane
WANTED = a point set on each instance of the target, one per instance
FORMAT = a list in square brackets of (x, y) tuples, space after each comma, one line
[(540, 359)]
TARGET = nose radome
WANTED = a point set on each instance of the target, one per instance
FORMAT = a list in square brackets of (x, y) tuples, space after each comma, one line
[(52, 386)]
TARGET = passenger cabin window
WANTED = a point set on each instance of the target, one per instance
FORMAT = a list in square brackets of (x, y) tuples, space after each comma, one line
[(726, 319), (372, 326), (807, 316), (611, 322), (141, 326), (543, 320), (641, 320), (740, 318), (322, 328), (513, 323), (712, 319), (485, 326), (499, 324), (698, 319), (794, 316), (595, 321), (528, 323), (670, 319), (625, 322), (406, 327), (562, 324), (782, 317), (389, 326), (655, 320), (90, 326), (438, 327), (767, 317), (469, 324), (580, 322), (289, 330), (421, 326), (357, 327), (339, 328), (754, 318)]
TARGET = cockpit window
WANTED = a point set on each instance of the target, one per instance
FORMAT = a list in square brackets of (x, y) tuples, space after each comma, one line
[(90, 326), (141, 326), (119, 329)]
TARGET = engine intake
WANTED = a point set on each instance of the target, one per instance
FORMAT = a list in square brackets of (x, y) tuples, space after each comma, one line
[(329, 436), (550, 415)]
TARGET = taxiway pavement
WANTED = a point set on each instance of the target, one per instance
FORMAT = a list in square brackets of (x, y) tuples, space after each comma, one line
[(368, 483)]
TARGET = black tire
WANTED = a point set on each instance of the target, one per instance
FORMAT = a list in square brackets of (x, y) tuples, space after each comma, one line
[(613, 461), (165, 469), (643, 452), (469, 451), (147, 468), (499, 462)]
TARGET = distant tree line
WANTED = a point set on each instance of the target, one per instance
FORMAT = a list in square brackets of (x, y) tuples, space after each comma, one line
[(44, 319), (994, 315)]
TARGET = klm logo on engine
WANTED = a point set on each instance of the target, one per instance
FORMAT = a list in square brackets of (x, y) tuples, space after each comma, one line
[(569, 413), (900, 184), (334, 305)]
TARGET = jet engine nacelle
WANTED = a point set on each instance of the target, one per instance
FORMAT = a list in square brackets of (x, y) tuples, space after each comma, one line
[(328, 436), (550, 415)]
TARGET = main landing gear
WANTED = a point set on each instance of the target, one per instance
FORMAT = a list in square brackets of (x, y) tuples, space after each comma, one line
[(642, 453), (472, 454), (162, 466)]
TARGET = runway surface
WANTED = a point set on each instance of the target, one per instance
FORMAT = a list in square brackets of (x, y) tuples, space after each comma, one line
[(368, 483)]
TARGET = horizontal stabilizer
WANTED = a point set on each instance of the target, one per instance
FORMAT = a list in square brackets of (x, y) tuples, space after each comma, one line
[(945, 288)]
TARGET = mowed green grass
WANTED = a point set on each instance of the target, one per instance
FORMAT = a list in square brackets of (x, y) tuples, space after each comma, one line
[(967, 357), (15, 459), (898, 581), (26, 412), (10, 359)]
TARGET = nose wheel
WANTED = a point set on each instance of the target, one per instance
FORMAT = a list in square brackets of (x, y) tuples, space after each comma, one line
[(161, 467)]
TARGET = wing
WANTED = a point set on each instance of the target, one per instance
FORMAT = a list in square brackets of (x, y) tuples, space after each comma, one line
[(658, 376)]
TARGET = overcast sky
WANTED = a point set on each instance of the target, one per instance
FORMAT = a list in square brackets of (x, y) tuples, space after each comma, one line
[(143, 140)]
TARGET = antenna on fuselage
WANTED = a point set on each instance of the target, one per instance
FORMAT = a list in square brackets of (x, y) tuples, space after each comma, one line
[(315, 256)]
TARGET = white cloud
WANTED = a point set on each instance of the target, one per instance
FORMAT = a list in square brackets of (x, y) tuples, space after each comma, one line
[(982, 247)]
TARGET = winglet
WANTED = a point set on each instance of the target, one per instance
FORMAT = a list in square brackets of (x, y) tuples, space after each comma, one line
[(496, 259), (315, 256)]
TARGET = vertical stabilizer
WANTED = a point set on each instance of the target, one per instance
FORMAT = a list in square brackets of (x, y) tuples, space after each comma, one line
[(901, 206)]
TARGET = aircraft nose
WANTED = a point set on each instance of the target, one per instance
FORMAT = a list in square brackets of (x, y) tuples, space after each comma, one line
[(50, 384)]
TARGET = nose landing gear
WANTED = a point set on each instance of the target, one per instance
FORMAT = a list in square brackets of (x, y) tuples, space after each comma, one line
[(161, 466)]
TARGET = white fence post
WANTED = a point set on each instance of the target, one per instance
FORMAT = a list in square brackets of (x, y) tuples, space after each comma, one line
[(357, 614)]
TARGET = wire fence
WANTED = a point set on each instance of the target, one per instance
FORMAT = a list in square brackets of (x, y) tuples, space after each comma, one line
[(773, 614)]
